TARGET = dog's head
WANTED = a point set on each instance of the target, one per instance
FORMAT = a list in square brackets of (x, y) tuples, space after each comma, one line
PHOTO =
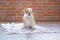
[(28, 11)]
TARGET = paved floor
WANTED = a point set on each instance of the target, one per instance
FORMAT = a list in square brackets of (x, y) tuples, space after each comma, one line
[(52, 34)]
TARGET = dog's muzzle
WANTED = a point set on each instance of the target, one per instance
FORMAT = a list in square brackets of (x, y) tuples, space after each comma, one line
[(29, 14)]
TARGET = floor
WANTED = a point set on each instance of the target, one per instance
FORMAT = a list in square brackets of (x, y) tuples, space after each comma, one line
[(52, 34)]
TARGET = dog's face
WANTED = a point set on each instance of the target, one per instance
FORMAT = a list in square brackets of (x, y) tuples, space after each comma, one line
[(28, 11)]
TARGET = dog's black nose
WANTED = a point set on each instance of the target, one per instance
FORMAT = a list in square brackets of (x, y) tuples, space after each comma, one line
[(29, 13)]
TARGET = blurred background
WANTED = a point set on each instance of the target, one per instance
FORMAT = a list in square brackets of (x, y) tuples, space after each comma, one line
[(12, 10)]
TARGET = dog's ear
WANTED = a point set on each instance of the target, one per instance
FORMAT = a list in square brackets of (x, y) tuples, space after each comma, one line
[(24, 10)]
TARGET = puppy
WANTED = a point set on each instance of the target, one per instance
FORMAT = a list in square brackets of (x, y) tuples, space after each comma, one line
[(28, 18)]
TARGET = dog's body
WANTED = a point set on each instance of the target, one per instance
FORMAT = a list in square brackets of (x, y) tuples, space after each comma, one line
[(28, 20)]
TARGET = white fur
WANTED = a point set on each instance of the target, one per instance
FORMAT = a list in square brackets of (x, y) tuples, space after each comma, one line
[(28, 20)]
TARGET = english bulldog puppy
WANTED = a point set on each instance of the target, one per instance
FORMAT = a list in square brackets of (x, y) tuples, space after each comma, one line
[(28, 18)]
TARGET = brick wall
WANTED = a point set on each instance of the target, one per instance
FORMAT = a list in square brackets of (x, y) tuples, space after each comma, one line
[(11, 10)]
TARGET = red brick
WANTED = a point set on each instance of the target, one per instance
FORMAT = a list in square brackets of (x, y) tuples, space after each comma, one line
[(10, 14), (10, 8), (1, 18), (15, 0), (8, 18), (5, 6), (52, 0), (42, 9), (17, 18), (56, 3), (31, 0), (2, 14)]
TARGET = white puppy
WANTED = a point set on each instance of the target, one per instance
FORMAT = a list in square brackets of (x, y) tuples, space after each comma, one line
[(28, 18)]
